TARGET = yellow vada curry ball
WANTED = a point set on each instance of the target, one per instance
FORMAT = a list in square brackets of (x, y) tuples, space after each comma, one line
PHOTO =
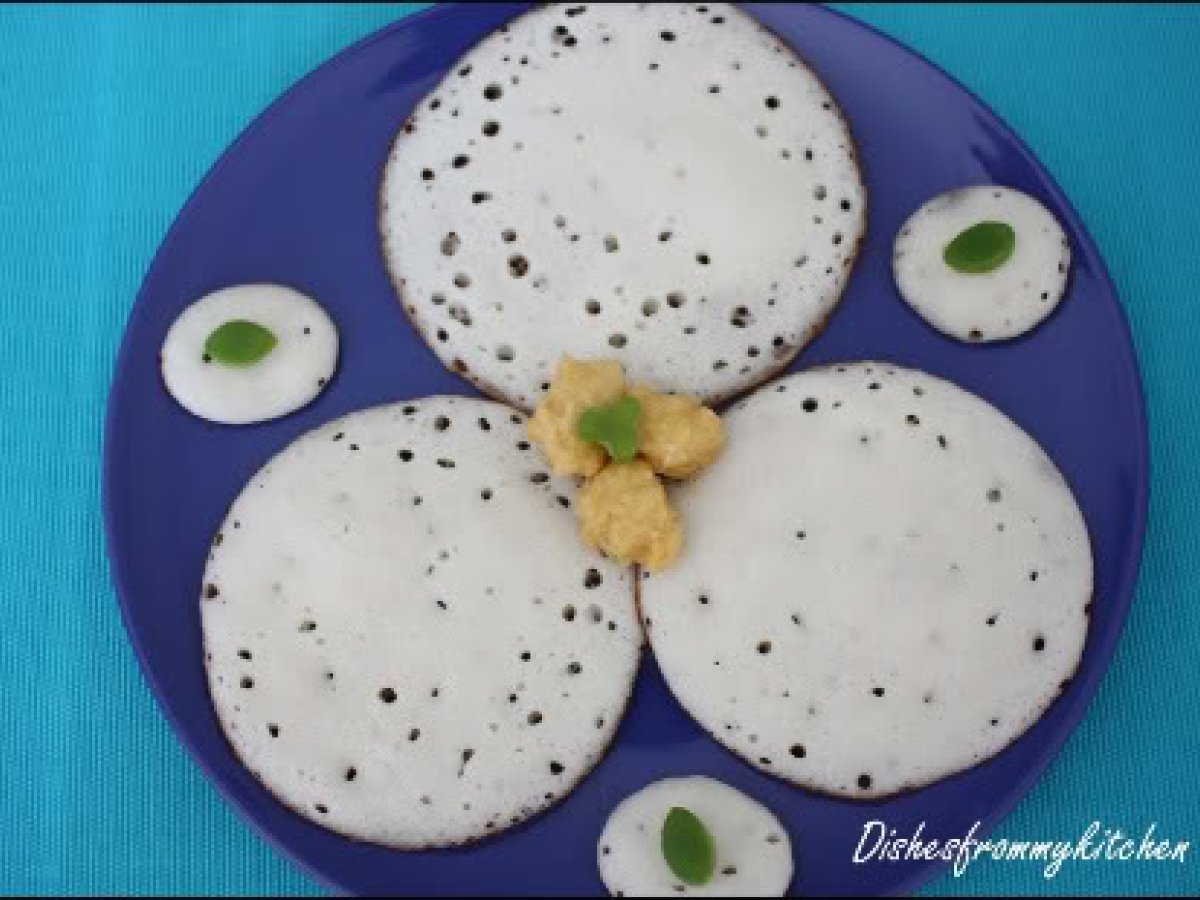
[(578, 385), (622, 439), (624, 511), (679, 434)]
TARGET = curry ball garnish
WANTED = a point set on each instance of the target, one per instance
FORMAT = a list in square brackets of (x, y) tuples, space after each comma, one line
[(623, 439)]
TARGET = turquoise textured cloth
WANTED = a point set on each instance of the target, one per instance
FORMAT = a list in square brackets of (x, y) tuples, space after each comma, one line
[(109, 116)]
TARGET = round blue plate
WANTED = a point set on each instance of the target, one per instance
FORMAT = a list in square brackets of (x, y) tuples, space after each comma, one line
[(294, 201)]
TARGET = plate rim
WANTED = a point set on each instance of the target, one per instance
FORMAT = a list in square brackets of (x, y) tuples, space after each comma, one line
[(1121, 600)]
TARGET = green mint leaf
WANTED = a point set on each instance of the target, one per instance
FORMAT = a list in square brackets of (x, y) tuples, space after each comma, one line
[(239, 343), (614, 427), (688, 847), (982, 248)]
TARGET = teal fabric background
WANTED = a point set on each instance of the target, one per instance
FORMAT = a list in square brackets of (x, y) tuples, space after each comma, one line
[(108, 118)]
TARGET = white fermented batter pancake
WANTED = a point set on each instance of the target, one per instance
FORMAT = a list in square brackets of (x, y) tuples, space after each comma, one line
[(979, 307), (753, 852), (294, 372), (665, 184), (886, 582), (406, 642)]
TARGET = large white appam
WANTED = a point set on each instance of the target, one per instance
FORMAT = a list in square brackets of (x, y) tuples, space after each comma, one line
[(887, 581), (665, 184), (753, 852), (406, 642)]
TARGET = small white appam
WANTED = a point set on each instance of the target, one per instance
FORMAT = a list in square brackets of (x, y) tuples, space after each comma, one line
[(753, 851), (991, 306), (289, 377)]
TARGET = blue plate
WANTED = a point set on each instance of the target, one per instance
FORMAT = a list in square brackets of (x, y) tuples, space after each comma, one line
[(294, 201)]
